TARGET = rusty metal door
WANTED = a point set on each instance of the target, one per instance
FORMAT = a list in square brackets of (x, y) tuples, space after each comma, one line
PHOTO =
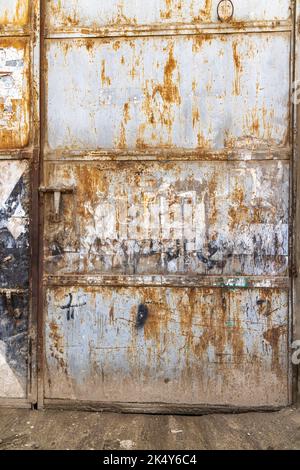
[(19, 130), (166, 169)]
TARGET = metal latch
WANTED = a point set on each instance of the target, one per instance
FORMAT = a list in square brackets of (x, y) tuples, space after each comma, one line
[(8, 294), (57, 193)]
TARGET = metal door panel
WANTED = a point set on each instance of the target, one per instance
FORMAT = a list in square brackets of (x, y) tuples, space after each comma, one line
[(168, 218), (14, 92), (77, 15), (166, 195), (14, 13), (167, 345), (14, 278), (203, 93)]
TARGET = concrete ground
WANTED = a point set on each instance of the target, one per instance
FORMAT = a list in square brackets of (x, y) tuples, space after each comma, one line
[(24, 429)]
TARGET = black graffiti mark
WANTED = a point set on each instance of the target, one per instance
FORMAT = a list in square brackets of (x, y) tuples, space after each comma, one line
[(70, 307), (142, 315)]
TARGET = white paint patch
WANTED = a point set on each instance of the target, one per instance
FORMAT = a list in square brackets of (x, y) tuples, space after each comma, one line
[(9, 384)]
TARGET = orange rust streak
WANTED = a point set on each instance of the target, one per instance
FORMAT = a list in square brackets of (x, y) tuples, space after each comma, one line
[(105, 79), (169, 90)]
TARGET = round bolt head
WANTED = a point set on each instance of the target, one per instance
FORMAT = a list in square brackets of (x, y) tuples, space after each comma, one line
[(225, 10)]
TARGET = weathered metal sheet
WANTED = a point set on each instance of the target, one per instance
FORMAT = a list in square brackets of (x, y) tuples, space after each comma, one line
[(14, 13), (14, 314), (203, 92), (64, 15), (14, 277), (167, 345), (166, 281), (14, 92), (168, 218), (14, 224)]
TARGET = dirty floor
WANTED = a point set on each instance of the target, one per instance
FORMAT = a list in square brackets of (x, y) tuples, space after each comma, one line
[(24, 429)]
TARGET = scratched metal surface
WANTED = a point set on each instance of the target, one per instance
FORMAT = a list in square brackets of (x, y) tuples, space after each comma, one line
[(167, 345), (14, 277), (183, 92), (168, 218), (14, 92), (64, 15)]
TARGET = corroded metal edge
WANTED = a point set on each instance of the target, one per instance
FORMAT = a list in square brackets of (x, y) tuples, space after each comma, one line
[(154, 408)]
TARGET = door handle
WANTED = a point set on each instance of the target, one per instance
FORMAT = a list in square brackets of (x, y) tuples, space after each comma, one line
[(57, 193)]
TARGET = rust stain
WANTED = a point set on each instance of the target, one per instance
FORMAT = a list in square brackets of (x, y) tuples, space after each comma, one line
[(111, 314), (199, 40), (89, 44), (238, 213), (159, 100), (20, 17), (238, 69), (122, 139), (167, 13), (116, 45), (126, 112), (105, 79), (14, 132), (196, 118), (212, 200), (94, 182), (159, 316)]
